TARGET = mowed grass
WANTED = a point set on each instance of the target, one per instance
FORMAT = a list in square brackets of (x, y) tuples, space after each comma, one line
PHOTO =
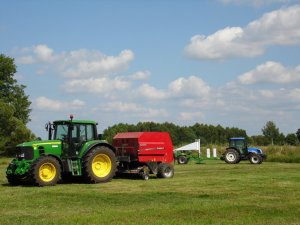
[(208, 193)]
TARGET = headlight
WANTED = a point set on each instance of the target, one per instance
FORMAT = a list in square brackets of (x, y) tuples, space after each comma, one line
[(21, 155)]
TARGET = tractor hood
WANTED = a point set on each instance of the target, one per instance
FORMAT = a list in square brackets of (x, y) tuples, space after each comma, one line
[(255, 150), (36, 144), (33, 149)]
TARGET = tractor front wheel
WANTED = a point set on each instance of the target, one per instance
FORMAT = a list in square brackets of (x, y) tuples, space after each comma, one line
[(182, 160), (255, 159), (99, 165), (165, 170), (45, 171), (232, 156)]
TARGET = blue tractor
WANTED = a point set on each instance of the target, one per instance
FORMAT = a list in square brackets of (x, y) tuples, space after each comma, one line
[(238, 150)]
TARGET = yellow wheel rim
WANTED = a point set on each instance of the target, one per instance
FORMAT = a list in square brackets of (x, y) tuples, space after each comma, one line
[(47, 172), (101, 165)]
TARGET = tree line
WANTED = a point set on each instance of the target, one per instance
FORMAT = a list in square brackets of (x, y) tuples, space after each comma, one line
[(180, 134), (208, 134)]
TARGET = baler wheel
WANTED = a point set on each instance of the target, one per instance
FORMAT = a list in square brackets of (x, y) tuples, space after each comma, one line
[(165, 170), (145, 176), (99, 165), (45, 171)]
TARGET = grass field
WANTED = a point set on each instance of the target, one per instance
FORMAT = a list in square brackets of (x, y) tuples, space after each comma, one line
[(208, 193)]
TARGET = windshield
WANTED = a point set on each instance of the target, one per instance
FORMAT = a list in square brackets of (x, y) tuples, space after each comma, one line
[(61, 131), (79, 132), (238, 143)]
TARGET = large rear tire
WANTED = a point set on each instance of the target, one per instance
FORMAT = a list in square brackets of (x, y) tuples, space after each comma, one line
[(99, 165), (232, 156), (165, 170), (45, 171)]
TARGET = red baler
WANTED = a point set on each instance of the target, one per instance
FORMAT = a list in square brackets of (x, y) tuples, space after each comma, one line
[(144, 153)]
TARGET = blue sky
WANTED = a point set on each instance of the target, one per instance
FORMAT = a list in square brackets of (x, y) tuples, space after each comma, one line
[(228, 62)]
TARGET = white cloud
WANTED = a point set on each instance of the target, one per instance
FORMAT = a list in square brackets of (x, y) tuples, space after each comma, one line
[(244, 101), (74, 64), (134, 109), (43, 53), (191, 86), (271, 72), (140, 75), (83, 67), (26, 59), (294, 94), (45, 103), (150, 92), (279, 27), (122, 107), (191, 116), (266, 93), (226, 43), (102, 85)]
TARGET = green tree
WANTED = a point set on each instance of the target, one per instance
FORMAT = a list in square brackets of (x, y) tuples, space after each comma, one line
[(291, 139), (298, 134), (14, 108), (271, 132), (11, 92), (12, 130), (186, 135), (259, 140)]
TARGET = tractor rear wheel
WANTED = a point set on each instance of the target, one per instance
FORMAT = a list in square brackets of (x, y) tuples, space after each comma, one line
[(45, 171), (182, 160), (99, 165), (232, 156), (165, 170), (255, 159)]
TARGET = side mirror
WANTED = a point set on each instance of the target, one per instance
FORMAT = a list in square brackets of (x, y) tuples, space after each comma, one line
[(47, 126), (100, 136)]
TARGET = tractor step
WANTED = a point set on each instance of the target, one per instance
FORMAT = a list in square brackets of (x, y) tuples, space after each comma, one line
[(75, 167)]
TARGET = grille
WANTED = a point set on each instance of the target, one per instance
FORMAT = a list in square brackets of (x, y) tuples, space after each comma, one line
[(25, 153)]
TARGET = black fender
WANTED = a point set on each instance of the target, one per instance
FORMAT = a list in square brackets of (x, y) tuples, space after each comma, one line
[(233, 149)]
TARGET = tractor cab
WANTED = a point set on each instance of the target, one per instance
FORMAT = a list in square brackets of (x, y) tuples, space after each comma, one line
[(240, 144), (73, 134)]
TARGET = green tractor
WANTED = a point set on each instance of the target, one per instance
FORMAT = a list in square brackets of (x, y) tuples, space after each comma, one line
[(74, 149)]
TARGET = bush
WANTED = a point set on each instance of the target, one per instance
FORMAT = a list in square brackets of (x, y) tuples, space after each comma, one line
[(286, 153)]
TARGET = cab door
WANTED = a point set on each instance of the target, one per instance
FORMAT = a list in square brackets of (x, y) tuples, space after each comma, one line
[(79, 135)]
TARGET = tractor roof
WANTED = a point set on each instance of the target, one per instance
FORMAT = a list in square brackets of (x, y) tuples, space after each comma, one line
[(76, 121), (237, 138)]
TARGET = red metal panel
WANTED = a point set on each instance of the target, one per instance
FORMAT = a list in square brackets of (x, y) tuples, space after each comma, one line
[(145, 146)]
